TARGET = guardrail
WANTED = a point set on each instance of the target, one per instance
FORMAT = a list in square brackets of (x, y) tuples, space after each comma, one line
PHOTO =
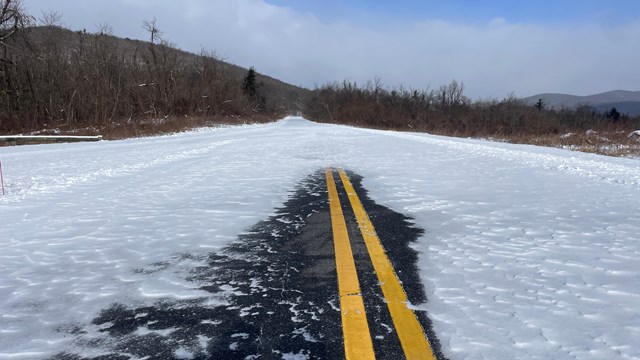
[(40, 139)]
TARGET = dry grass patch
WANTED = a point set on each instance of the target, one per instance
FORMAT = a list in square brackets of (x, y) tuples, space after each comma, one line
[(152, 127), (176, 124), (612, 143)]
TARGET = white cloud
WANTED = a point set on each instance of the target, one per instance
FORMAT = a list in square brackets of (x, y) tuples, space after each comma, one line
[(492, 59)]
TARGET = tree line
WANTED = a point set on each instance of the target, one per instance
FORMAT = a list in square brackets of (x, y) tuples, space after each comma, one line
[(51, 76), (446, 110)]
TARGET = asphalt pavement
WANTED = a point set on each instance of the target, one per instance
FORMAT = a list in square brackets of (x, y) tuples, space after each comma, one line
[(281, 281)]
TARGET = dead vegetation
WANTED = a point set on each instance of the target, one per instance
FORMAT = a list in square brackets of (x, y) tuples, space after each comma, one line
[(447, 111), (612, 143), (54, 78), (151, 127)]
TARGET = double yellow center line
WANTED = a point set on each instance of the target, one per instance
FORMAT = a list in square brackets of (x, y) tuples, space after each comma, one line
[(357, 337)]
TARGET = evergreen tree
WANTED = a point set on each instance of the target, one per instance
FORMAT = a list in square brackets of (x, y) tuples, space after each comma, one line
[(249, 84), (251, 89), (614, 114)]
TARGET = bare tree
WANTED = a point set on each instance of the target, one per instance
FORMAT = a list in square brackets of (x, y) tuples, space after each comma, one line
[(455, 94), (151, 27), (12, 18), (104, 29), (51, 18)]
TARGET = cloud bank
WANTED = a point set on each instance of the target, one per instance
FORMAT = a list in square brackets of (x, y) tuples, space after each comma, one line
[(493, 59)]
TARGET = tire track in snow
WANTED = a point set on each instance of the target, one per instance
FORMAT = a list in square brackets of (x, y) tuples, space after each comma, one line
[(36, 186)]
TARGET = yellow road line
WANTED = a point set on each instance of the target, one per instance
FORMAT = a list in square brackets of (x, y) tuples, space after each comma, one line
[(355, 329), (412, 338)]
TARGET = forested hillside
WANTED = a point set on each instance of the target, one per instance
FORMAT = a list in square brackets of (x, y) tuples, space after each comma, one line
[(55, 78)]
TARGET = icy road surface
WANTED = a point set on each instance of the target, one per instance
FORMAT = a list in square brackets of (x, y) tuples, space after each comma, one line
[(529, 253)]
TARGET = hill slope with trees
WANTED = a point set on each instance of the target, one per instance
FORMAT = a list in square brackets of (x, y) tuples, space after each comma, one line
[(55, 78)]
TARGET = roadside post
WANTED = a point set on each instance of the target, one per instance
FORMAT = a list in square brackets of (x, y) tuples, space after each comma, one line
[(1, 178)]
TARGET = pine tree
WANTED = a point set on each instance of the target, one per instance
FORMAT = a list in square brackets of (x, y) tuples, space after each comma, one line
[(251, 89), (614, 114), (249, 84)]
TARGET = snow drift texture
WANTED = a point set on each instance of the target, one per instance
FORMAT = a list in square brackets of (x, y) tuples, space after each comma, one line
[(528, 252)]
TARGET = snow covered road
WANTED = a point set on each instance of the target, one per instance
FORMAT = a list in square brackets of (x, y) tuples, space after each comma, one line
[(528, 252)]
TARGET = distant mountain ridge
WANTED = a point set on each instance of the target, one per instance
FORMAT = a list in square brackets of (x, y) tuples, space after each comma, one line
[(626, 102)]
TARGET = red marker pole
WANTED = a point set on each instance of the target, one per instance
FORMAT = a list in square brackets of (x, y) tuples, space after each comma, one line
[(1, 178)]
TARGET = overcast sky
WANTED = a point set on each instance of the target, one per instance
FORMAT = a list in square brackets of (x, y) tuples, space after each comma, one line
[(495, 47)]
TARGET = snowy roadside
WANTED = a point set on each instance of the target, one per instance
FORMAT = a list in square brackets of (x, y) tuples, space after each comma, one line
[(528, 253)]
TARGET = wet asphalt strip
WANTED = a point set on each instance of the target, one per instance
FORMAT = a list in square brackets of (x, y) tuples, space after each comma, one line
[(285, 301)]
